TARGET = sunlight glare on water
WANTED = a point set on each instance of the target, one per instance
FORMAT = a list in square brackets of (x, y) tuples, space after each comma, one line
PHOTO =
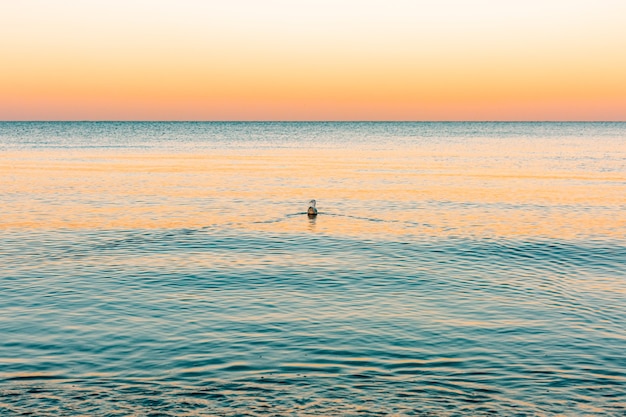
[(453, 269)]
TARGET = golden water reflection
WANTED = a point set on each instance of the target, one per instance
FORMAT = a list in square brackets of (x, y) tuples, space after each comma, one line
[(474, 191)]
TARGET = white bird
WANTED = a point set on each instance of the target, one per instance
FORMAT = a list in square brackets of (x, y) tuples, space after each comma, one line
[(312, 211)]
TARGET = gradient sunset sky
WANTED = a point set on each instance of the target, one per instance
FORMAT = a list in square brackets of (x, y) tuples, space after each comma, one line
[(313, 60)]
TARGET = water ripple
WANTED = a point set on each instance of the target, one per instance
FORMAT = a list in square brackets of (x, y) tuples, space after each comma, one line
[(453, 269), (286, 323)]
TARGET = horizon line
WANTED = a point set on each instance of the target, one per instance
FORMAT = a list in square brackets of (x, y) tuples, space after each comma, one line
[(303, 121)]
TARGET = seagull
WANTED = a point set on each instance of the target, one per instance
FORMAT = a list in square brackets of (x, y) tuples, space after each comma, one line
[(312, 211)]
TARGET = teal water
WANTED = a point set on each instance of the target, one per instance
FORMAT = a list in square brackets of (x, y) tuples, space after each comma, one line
[(168, 269)]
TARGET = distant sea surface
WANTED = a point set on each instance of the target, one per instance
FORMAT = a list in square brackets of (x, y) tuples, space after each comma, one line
[(170, 269)]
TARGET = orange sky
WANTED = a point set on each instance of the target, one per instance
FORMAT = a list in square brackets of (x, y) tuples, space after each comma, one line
[(312, 60)]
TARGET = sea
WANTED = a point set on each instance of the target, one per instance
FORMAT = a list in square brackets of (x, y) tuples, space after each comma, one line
[(454, 269)]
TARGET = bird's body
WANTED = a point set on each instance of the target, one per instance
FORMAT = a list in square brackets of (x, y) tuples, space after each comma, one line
[(312, 211)]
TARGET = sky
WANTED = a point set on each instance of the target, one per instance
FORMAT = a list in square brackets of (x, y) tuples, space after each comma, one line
[(313, 60)]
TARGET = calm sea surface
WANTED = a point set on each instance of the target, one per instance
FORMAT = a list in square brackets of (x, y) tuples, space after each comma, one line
[(169, 269)]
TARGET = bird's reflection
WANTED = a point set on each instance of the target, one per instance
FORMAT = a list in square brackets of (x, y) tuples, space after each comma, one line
[(312, 222)]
